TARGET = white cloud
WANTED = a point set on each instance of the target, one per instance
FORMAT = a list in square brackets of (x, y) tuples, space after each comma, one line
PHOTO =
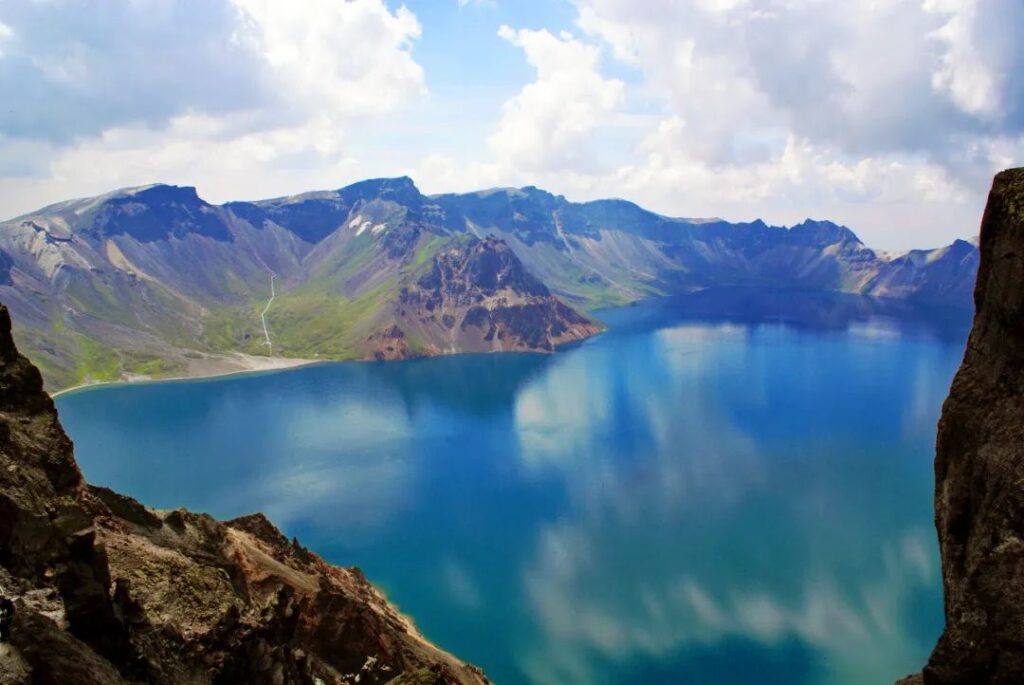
[(888, 115), (193, 150), (962, 74), (868, 77), (849, 110), (78, 72), (6, 33), (546, 126), (242, 98), (343, 58)]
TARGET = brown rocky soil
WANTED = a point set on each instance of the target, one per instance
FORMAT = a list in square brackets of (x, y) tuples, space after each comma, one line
[(109, 591)]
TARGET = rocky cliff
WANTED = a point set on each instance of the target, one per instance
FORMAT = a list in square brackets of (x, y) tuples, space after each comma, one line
[(979, 467), (109, 591)]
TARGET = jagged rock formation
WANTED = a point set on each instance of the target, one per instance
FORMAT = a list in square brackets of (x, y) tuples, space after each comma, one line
[(110, 592), (979, 467), (479, 296), (155, 281)]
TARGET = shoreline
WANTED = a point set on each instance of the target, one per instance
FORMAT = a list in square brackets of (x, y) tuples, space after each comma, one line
[(287, 365), (260, 365), (292, 364)]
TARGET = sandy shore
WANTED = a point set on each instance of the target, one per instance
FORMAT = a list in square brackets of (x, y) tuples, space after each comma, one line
[(211, 366)]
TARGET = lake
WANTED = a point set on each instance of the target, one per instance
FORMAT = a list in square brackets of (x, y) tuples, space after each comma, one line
[(724, 487)]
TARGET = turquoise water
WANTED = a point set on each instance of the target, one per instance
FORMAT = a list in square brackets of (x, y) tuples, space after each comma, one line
[(724, 488)]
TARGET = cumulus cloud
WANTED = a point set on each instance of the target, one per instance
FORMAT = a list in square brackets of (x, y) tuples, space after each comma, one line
[(69, 70), (547, 124), (888, 115), (786, 103), (78, 72), (865, 77), (241, 97), (348, 59), (981, 59)]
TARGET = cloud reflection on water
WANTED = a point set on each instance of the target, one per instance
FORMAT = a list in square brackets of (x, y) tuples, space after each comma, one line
[(704, 535), (717, 486)]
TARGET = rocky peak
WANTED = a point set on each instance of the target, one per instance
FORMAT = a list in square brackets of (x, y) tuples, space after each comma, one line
[(541, 195), (21, 390), (822, 233), (979, 467), (400, 190), (153, 213), (479, 296), (484, 266), (164, 193), (963, 250)]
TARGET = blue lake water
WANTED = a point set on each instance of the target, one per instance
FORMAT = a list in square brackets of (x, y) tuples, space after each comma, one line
[(723, 488)]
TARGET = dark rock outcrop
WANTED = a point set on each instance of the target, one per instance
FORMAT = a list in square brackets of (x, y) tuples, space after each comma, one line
[(388, 343), (109, 591), (479, 296), (5, 269), (979, 467)]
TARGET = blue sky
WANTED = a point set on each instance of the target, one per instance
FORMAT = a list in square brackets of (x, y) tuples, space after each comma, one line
[(888, 115)]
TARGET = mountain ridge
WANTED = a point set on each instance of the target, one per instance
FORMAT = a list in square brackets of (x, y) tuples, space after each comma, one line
[(154, 281), (385, 181)]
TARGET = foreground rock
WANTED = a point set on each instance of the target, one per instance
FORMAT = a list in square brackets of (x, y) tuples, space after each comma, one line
[(109, 591), (979, 467)]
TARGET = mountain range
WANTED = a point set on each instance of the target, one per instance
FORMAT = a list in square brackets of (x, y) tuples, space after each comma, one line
[(154, 281)]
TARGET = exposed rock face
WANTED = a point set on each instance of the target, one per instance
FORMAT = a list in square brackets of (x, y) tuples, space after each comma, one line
[(388, 343), (109, 591), (979, 467), (479, 296)]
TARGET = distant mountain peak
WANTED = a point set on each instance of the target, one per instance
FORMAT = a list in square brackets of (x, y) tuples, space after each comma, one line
[(824, 232), (534, 191), (398, 186), (152, 212), (161, 192)]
